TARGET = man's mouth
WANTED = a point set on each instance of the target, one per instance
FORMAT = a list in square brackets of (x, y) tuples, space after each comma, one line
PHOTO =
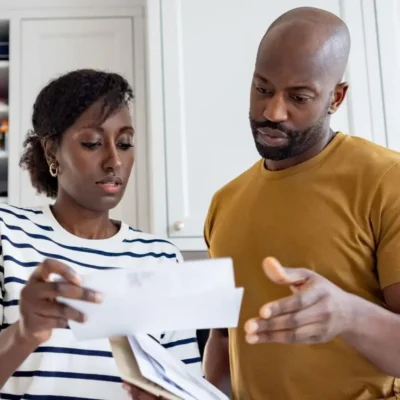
[(271, 137)]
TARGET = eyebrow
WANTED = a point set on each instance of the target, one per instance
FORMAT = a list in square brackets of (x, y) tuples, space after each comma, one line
[(127, 128), (295, 87), (100, 129)]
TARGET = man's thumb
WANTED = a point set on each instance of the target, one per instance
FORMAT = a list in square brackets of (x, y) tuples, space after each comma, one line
[(283, 276)]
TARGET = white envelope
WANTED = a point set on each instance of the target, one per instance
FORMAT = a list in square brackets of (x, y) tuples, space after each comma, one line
[(191, 295), (157, 365)]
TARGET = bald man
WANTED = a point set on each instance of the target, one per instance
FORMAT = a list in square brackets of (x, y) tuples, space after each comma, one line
[(319, 320)]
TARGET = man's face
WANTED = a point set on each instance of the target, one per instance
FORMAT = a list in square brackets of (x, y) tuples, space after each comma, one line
[(290, 102)]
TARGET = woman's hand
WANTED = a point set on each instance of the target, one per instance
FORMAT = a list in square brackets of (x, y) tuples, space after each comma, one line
[(40, 313), (139, 394)]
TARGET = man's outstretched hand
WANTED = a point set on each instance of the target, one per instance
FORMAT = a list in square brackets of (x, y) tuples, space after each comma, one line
[(316, 312)]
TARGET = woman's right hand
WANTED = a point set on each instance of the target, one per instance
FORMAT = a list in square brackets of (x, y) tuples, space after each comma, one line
[(40, 312)]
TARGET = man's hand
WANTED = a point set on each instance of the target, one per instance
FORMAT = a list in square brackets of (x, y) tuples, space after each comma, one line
[(317, 311), (139, 394)]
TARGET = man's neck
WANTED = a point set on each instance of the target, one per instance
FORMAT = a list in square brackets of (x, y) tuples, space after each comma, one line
[(272, 165)]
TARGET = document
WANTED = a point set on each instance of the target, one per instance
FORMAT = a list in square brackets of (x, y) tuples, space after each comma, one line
[(164, 297), (143, 362)]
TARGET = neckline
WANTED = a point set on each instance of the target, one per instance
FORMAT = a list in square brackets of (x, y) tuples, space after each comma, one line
[(306, 165), (118, 237)]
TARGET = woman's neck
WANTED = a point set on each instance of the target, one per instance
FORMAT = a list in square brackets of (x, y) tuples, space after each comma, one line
[(82, 222)]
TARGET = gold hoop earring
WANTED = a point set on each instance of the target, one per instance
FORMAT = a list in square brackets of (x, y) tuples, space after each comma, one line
[(53, 170)]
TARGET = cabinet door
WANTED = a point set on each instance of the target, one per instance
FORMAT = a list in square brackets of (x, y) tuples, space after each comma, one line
[(209, 49), (50, 47), (388, 21)]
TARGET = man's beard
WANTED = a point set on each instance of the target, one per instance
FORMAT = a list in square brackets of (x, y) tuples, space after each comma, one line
[(298, 141)]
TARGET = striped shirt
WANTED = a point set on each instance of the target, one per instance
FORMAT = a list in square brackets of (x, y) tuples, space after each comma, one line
[(64, 368)]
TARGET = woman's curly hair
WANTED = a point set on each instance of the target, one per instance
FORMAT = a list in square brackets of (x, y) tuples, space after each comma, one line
[(58, 106)]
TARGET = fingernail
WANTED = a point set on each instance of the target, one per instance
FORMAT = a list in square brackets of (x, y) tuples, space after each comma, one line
[(265, 312), (77, 278), (126, 387), (251, 327), (252, 339), (98, 297)]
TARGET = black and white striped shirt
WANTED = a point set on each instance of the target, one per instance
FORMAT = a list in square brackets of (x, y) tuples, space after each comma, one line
[(64, 368)]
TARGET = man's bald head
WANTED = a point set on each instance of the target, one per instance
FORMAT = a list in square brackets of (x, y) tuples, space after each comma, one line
[(310, 33), (297, 83)]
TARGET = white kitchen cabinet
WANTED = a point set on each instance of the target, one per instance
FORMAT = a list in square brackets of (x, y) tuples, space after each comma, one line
[(388, 24), (190, 63), (55, 42), (201, 57)]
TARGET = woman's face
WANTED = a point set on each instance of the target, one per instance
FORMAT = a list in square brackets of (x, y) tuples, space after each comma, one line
[(95, 159)]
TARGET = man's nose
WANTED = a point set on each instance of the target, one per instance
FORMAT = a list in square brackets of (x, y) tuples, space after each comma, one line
[(275, 109)]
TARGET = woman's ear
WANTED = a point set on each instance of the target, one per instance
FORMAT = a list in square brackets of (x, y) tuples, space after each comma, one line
[(49, 148)]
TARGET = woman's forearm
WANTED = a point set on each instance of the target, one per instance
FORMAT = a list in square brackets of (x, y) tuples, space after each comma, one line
[(13, 351)]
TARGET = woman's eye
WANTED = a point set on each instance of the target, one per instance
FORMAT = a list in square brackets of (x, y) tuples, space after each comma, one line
[(125, 146), (91, 145)]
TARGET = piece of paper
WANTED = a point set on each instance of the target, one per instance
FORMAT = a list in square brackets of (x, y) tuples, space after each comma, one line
[(159, 366), (129, 369), (192, 295), (152, 372), (172, 371)]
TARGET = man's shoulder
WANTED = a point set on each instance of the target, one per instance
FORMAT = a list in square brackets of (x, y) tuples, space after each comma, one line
[(237, 184), (374, 157)]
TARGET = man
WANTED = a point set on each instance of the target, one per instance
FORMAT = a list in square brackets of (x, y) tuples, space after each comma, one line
[(327, 206)]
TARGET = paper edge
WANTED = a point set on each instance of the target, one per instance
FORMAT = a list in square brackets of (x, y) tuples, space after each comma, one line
[(129, 369)]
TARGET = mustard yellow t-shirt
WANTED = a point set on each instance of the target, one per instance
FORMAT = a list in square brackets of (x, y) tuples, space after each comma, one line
[(337, 214)]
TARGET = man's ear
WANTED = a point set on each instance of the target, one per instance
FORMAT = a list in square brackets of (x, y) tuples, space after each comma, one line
[(338, 96)]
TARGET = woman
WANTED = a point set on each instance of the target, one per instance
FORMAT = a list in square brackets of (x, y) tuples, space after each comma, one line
[(80, 152)]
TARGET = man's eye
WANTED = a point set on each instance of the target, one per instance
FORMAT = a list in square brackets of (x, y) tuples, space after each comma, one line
[(263, 90), (301, 99), (91, 145), (260, 90)]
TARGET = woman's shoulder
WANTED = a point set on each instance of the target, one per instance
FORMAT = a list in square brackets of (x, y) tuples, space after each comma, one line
[(149, 242), (11, 215)]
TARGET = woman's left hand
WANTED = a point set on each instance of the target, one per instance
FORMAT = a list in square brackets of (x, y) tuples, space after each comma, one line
[(139, 394)]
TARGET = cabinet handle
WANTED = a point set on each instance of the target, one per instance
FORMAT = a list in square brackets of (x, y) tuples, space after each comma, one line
[(179, 226)]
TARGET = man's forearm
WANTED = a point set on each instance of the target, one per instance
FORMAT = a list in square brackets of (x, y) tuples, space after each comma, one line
[(216, 361), (376, 335), (13, 351)]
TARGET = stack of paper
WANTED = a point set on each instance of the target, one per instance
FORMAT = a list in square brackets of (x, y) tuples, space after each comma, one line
[(146, 364), (164, 297)]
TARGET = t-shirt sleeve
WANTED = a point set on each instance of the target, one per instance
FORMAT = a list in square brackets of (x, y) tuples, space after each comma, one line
[(209, 222), (385, 220)]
